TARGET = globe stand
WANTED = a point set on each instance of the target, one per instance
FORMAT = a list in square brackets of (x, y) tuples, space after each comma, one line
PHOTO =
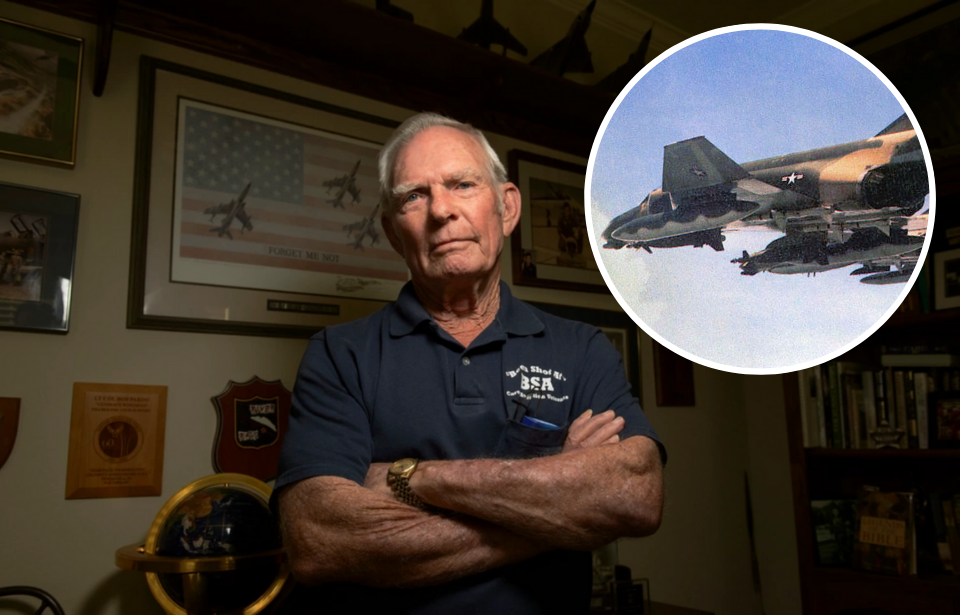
[(194, 570)]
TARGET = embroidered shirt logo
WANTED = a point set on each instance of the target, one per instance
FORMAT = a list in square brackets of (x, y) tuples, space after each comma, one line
[(537, 382)]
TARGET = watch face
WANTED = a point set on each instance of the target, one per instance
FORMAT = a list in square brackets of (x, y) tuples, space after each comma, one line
[(403, 466)]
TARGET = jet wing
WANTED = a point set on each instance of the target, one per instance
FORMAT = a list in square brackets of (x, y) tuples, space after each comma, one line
[(354, 191), (570, 55), (245, 219), (336, 182), (696, 164)]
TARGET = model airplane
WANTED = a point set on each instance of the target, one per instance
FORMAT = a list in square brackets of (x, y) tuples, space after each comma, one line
[(570, 54), (234, 210), (487, 31), (364, 228), (623, 74), (818, 198), (345, 183)]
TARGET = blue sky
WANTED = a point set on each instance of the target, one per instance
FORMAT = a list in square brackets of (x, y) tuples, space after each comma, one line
[(753, 94)]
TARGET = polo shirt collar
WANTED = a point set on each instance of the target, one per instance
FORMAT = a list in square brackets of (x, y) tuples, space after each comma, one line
[(515, 316)]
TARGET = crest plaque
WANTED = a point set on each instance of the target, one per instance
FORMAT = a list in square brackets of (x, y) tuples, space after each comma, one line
[(9, 419), (252, 419)]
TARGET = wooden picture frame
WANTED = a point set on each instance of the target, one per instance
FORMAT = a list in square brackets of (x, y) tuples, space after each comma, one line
[(116, 440), (38, 245), (946, 279), (38, 122), (623, 333), (271, 243), (551, 246)]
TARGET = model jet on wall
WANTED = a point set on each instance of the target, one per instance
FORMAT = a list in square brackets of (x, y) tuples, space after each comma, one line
[(570, 54), (487, 31), (818, 198)]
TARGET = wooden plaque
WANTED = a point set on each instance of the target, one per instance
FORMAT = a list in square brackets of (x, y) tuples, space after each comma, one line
[(9, 419), (116, 440), (252, 419)]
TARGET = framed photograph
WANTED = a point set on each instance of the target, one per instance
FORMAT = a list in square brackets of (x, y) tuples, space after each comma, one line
[(40, 98), (618, 327), (944, 417), (38, 244), (255, 211), (116, 440), (946, 279), (550, 247)]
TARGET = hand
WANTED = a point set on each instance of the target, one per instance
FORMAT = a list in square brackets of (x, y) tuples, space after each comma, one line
[(376, 479), (589, 430)]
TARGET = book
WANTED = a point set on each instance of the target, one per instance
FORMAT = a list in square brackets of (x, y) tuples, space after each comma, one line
[(938, 521), (913, 432), (808, 408), (833, 527), (900, 404), (920, 386), (869, 406), (953, 535), (885, 539), (837, 415)]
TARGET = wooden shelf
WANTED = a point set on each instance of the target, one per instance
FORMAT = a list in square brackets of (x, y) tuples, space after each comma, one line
[(939, 583)]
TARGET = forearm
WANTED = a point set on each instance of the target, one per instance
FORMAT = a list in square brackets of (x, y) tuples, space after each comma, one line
[(335, 530), (577, 500)]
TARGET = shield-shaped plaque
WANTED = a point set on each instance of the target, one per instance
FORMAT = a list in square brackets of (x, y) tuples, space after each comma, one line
[(9, 419), (252, 419)]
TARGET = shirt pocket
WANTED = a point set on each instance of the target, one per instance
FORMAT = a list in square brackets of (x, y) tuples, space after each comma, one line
[(519, 441)]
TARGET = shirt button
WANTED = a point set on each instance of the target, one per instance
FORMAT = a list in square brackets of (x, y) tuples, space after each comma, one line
[(466, 360)]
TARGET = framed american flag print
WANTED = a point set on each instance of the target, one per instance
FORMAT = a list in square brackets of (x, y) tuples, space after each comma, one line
[(255, 210)]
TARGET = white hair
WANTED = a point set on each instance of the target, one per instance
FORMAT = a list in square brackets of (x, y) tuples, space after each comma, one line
[(411, 127)]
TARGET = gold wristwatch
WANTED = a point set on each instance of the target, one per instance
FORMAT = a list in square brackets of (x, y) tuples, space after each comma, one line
[(398, 477)]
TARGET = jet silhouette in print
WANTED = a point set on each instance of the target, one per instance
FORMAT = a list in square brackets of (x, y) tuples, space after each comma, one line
[(344, 183), (234, 210), (364, 228)]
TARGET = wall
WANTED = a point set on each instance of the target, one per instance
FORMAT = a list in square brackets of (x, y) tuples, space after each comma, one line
[(699, 558)]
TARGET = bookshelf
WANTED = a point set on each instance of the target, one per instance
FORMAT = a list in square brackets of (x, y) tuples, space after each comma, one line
[(826, 473)]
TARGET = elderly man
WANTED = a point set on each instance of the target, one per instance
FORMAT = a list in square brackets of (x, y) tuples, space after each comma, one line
[(443, 456)]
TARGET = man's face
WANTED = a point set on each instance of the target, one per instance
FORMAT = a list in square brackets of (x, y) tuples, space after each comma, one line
[(445, 222)]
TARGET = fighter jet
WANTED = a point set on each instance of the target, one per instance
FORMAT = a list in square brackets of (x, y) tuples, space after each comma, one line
[(487, 31), (364, 228), (807, 253), (872, 183), (345, 183), (621, 76), (235, 209), (570, 54)]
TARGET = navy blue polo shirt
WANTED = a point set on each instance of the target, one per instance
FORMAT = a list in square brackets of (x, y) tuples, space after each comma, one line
[(396, 385)]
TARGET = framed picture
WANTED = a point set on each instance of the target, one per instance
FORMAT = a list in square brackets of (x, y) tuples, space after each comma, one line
[(946, 276), (38, 244), (40, 98), (255, 211), (551, 248), (944, 417), (618, 327)]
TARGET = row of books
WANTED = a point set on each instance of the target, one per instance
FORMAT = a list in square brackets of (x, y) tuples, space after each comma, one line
[(909, 400), (900, 533)]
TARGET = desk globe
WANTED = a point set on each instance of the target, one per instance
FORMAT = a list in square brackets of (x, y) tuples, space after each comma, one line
[(221, 532)]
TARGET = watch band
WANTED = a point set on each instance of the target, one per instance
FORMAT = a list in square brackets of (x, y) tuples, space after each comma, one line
[(398, 478)]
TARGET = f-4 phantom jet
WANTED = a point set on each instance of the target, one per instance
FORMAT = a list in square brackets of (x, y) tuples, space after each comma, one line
[(345, 183), (234, 210), (818, 198)]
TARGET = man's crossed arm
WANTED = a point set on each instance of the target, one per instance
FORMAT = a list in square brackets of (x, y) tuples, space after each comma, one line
[(595, 490)]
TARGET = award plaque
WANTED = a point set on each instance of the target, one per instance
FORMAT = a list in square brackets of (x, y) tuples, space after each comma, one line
[(9, 419), (252, 419), (116, 440)]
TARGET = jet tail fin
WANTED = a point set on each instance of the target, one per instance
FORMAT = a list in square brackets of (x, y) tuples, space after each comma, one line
[(697, 163), (898, 125)]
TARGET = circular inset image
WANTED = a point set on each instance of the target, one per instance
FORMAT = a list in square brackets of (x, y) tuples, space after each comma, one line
[(759, 199), (118, 439)]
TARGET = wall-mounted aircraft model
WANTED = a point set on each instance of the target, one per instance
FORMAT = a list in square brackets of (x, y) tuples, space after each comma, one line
[(829, 202)]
